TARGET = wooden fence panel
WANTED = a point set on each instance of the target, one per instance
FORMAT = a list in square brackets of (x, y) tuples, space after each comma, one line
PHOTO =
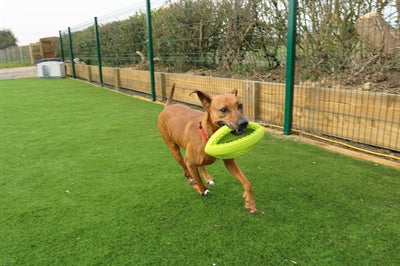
[(272, 103), (94, 70), (135, 80), (82, 71), (108, 75), (365, 117)]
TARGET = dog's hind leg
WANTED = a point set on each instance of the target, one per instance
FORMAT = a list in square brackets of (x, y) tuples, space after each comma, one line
[(207, 176), (176, 153), (193, 176)]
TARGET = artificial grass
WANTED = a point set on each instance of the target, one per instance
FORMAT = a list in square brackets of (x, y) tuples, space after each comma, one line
[(14, 64), (86, 179)]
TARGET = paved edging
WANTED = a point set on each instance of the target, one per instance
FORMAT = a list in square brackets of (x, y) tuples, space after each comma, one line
[(18, 72)]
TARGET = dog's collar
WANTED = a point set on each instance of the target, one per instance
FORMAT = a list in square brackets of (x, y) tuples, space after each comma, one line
[(203, 132)]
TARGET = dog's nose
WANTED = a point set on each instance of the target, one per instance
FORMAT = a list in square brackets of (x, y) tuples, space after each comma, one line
[(243, 123)]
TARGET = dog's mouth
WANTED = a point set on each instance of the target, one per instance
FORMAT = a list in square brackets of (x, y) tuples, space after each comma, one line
[(240, 130)]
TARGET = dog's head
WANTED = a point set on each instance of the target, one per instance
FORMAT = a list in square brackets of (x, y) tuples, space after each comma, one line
[(225, 109)]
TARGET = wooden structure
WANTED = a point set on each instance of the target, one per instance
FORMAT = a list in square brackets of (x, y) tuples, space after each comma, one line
[(46, 48), (364, 117)]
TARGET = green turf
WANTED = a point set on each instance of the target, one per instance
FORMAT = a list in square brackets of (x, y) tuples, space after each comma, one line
[(85, 179), (14, 64)]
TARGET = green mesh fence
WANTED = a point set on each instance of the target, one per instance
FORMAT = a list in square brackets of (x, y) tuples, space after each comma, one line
[(348, 69), (347, 60)]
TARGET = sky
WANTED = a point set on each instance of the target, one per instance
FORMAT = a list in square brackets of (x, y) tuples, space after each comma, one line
[(30, 20)]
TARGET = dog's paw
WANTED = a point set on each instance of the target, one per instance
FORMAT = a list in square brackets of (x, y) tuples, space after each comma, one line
[(206, 192), (211, 182), (252, 211), (192, 182)]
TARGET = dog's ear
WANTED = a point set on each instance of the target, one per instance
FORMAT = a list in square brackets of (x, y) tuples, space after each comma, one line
[(203, 97), (234, 92)]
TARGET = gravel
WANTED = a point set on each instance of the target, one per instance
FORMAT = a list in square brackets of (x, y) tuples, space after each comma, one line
[(18, 72)]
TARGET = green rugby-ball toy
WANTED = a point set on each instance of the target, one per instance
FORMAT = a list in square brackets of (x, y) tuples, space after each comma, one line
[(225, 145)]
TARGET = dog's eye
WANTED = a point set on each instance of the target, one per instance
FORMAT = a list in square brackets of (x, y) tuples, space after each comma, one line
[(240, 106), (223, 110)]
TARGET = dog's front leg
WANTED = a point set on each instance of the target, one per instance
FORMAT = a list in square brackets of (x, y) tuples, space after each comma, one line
[(207, 176), (249, 202), (197, 183)]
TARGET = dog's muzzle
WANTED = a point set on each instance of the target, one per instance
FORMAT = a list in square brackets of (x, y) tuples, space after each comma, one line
[(241, 129)]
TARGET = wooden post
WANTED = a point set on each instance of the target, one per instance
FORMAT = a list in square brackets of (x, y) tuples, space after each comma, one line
[(250, 98), (160, 86), (13, 53), (117, 79), (31, 53), (88, 73), (41, 50), (21, 58)]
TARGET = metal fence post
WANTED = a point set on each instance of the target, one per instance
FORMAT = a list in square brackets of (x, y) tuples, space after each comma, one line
[(150, 51), (290, 67), (61, 47), (96, 33), (71, 53)]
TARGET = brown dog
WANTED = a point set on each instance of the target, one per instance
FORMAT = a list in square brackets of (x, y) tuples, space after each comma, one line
[(182, 127)]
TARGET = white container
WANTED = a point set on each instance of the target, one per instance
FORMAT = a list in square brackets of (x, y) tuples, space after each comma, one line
[(51, 69)]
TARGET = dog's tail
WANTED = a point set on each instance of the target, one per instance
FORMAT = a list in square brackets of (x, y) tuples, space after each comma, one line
[(171, 95)]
